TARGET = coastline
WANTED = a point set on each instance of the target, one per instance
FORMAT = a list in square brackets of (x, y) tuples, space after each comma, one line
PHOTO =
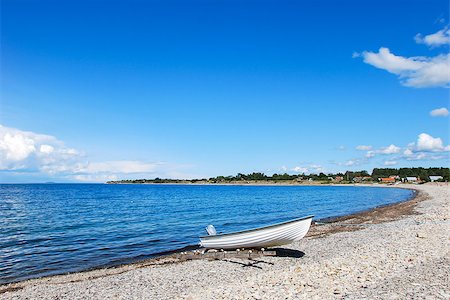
[(282, 184), (340, 225), (375, 215), (253, 183), (171, 255)]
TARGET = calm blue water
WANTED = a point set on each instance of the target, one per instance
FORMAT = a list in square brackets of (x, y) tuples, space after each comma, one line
[(47, 229)]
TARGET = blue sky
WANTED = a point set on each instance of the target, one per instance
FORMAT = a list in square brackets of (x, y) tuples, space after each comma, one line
[(98, 90)]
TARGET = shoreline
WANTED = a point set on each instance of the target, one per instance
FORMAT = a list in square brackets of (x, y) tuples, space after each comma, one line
[(376, 215), (319, 227), (260, 183), (416, 194), (393, 251)]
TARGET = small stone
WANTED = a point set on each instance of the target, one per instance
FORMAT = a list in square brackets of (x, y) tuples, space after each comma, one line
[(257, 296)]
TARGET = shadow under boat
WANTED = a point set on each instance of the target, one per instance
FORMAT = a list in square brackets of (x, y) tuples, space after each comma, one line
[(244, 254), (286, 252), (280, 252)]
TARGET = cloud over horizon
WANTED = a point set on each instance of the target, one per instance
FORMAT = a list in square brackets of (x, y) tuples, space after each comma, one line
[(364, 147), (426, 147), (391, 149), (390, 163), (26, 152), (29, 152), (308, 169), (426, 142), (21, 150)]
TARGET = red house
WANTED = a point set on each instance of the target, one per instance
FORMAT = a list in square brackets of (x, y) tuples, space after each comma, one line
[(387, 180)]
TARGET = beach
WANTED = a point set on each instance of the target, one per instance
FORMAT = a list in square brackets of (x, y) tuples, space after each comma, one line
[(394, 252)]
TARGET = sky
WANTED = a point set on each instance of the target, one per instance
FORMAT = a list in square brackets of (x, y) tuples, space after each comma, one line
[(103, 90)]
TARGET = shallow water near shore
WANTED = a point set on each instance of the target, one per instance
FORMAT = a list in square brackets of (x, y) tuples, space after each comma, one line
[(49, 229)]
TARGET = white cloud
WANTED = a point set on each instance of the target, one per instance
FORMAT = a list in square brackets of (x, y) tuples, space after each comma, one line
[(300, 170), (390, 163), (407, 152), (419, 156), (317, 168), (47, 149), (442, 37), (370, 154), (95, 178), (426, 142), (416, 71), (439, 112), (385, 60), (391, 149), (363, 147), (424, 147), (313, 168), (351, 162), (26, 151), (341, 148), (15, 147), (123, 167), (70, 151)]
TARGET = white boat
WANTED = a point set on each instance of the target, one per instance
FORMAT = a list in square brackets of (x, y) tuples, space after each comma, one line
[(268, 236)]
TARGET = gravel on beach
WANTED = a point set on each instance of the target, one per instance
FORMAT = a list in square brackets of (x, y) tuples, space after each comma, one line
[(384, 256)]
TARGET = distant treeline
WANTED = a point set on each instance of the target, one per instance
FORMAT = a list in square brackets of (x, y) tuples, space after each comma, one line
[(422, 173), (349, 176)]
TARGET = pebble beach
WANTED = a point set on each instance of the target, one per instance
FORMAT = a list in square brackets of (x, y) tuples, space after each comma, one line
[(395, 252)]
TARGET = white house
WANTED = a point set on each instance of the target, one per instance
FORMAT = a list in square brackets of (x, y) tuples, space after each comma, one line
[(412, 179), (435, 178)]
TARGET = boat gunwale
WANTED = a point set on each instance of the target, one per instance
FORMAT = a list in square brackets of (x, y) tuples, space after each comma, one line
[(258, 228)]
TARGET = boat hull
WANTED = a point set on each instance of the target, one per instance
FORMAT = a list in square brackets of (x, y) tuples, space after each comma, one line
[(270, 236)]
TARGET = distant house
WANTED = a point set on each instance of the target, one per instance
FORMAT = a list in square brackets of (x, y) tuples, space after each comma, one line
[(436, 178), (357, 179), (362, 178), (411, 179), (386, 180), (396, 177), (338, 178)]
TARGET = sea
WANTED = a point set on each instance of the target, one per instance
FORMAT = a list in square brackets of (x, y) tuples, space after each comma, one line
[(49, 229)]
